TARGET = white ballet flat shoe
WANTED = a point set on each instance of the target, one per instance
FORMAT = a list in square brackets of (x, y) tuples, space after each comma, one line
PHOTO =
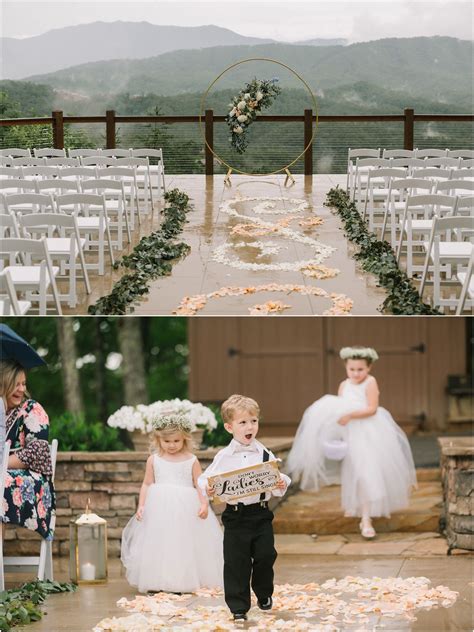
[(367, 531)]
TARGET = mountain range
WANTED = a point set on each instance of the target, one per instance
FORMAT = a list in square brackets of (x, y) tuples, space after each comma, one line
[(439, 68), (100, 41)]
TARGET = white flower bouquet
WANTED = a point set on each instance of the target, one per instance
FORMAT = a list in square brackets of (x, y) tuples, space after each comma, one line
[(142, 417), (250, 101)]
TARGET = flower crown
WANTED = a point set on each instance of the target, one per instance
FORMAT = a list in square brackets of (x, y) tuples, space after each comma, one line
[(176, 421), (355, 353)]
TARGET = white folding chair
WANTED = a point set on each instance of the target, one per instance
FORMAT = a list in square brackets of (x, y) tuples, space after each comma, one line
[(44, 561), (65, 248), (417, 219), (27, 161), (157, 155), (33, 280), (433, 173), (446, 253), (115, 199), (15, 186), (377, 191), (6, 161), (3, 476), (399, 153), (431, 153), (15, 152), (97, 161), (10, 172), (29, 203), (408, 163), (115, 153), (467, 163), (361, 175), (352, 155), (461, 153), (62, 162), (49, 152), (128, 176), (443, 161), (461, 188), (57, 186), (41, 172), (90, 211), (399, 190), (83, 152), (466, 173), (142, 167), (467, 291), (9, 303), (76, 173)]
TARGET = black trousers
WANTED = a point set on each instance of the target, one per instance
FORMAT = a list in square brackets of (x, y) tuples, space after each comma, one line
[(249, 555)]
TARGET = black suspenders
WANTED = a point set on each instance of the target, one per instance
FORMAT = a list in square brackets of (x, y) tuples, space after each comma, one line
[(266, 457)]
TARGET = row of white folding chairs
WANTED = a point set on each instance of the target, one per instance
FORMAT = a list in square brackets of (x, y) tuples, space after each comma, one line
[(33, 271), (386, 191), (59, 156), (118, 184), (357, 178), (134, 172)]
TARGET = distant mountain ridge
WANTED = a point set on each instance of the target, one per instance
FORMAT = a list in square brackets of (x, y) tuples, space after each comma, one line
[(434, 67), (99, 41)]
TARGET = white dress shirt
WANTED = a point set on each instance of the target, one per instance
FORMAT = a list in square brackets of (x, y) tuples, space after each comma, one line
[(235, 456)]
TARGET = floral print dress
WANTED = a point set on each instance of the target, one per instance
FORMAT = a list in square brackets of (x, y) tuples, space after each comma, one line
[(29, 498)]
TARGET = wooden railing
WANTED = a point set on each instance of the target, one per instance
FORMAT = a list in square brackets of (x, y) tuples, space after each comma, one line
[(57, 120)]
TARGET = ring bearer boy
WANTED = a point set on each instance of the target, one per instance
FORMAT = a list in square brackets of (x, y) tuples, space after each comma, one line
[(249, 551)]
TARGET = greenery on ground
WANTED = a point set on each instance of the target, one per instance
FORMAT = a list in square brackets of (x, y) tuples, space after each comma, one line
[(19, 606), (151, 258), (377, 257)]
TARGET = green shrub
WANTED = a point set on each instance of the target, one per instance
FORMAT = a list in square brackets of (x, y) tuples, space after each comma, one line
[(219, 436), (77, 434)]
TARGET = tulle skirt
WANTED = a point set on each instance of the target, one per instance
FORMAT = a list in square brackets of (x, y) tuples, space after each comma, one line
[(171, 548), (377, 473)]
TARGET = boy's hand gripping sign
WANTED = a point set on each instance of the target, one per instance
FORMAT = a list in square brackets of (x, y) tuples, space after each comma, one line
[(247, 481)]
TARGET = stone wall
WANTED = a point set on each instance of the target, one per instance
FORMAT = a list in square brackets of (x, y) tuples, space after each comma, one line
[(457, 473), (112, 481)]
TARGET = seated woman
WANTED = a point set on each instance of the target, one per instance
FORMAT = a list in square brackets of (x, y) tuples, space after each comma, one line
[(29, 498)]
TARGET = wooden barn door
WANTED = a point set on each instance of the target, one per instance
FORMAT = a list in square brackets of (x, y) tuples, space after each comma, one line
[(401, 371)]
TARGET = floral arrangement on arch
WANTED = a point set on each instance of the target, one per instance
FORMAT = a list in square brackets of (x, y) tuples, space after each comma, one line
[(250, 101), (144, 418)]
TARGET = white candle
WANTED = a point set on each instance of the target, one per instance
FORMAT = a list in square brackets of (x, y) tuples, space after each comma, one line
[(88, 572)]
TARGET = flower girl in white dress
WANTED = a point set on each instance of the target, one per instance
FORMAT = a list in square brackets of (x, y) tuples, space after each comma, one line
[(174, 542), (377, 472)]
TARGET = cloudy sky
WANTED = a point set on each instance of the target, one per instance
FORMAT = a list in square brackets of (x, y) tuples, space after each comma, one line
[(289, 21)]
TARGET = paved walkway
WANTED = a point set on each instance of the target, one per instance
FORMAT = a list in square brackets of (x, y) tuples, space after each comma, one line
[(209, 228)]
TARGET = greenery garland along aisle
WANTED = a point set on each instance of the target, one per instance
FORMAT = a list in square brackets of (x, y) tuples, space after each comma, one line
[(151, 258), (378, 258), (23, 605)]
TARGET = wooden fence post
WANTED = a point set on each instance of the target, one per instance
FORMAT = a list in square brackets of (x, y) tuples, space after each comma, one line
[(409, 128), (110, 129), (209, 136), (58, 129), (308, 133)]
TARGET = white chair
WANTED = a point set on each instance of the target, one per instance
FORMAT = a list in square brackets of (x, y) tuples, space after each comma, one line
[(377, 190), (446, 253), (468, 163), (128, 176), (408, 163), (431, 153), (142, 169), (49, 152), (80, 153), (116, 153), (10, 172), (62, 162), (399, 190), (43, 562), (92, 220), (157, 155), (77, 173), (97, 161), (6, 161), (461, 188), (352, 155), (466, 173), (65, 248), (417, 219), (15, 186), (467, 290), (9, 303), (399, 153), (32, 280), (41, 172), (433, 173), (3, 476), (443, 161), (115, 199), (15, 152), (27, 161), (361, 176), (29, 203), (57, 186), (461, 153)]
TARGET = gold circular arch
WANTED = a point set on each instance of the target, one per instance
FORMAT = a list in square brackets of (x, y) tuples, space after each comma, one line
[(218, 157)]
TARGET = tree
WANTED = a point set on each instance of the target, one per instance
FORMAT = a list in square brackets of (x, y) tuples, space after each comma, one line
[(70, 374), (133, 366)]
